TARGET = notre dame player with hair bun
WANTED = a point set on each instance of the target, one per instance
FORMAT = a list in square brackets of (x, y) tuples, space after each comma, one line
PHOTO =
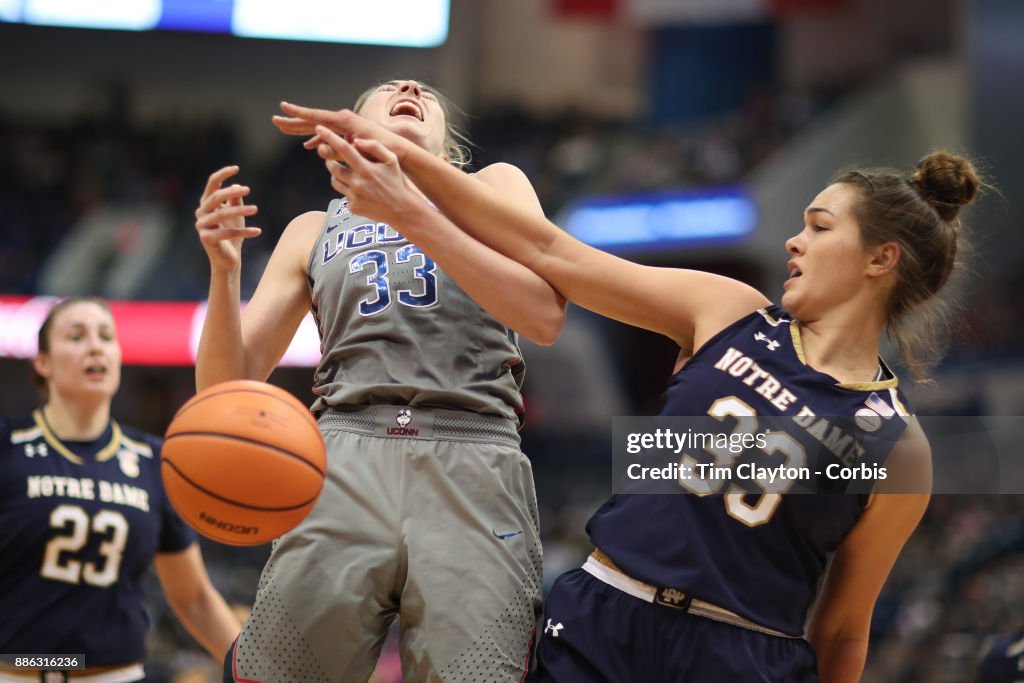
[(83, 516), (730, 584)]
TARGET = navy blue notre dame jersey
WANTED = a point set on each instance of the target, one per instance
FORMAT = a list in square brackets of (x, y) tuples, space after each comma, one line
[(80, 523), (760, 554)]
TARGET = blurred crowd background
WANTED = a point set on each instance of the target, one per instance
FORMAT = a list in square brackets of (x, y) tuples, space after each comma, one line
[(106, 140)]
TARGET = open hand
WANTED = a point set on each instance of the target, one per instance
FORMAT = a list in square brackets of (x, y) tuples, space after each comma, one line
[(220, 220)]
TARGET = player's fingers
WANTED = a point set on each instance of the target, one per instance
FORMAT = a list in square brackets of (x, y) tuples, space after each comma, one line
[(225, 213), (327, 135), (218, 177), (336, 147), (308, 113), (215, 218), (312, 143), (216, 198), (374, 150), (340, 175), (340, 187), (224, 234), (223, 194), (292, 125), (344, 121), (338, 170)]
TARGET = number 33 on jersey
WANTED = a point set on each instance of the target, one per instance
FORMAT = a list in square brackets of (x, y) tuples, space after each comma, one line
[(394, 328)]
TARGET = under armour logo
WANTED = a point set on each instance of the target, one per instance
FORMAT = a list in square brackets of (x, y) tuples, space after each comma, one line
[(772, 344), (553, 628), (32, 450), (404, 417)]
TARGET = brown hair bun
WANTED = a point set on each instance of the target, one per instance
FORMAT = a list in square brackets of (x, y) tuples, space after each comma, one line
[(947, 182)]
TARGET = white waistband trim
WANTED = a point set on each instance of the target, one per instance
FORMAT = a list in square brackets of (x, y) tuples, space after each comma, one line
[(647, 593), (626, 584)]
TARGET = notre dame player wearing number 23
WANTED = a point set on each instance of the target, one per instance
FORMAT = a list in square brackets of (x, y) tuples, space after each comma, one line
[(83, 515)]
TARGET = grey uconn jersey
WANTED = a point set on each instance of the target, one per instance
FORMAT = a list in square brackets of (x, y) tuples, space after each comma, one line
[(395, 330)]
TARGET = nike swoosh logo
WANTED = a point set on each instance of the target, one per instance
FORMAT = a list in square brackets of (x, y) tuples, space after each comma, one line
[(505, 537)]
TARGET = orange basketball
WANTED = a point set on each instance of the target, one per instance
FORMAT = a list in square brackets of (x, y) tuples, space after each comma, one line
[(243, 462)]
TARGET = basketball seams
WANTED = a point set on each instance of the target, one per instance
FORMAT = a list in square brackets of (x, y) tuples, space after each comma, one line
[(199, 399), (247, 440), (236, 503), (250, 387), (214, 449)]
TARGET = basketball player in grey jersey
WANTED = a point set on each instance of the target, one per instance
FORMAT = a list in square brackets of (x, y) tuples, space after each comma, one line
[(392, 290), (428, 513)]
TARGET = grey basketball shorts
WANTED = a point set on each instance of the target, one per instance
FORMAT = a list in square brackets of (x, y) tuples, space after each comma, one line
[(428, 516)]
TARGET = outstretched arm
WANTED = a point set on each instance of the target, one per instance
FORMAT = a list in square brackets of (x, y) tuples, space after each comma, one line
[(687, 306)]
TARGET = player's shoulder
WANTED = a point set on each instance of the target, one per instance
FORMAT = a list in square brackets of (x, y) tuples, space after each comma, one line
[(140, 442), (17, 432), (511, 182), (499, 172), (768, 319), (299, 237), (16, 428), (310, 220)]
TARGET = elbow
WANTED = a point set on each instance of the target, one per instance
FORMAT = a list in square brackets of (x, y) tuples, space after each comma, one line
[(547, 335), (844, 641), (195, 606), (184, 607), (547, 327), (542, 338)]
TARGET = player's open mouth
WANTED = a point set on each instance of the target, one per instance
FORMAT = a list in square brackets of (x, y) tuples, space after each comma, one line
[(96, 371), (407, 108)]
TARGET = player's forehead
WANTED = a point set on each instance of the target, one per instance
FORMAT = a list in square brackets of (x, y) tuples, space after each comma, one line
[(835, 201), (82, 314)]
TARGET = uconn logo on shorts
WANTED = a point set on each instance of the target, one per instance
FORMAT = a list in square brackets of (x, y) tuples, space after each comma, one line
[(404, 418)]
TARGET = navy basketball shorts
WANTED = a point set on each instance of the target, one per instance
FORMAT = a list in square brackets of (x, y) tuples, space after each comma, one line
[(596, 633)]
